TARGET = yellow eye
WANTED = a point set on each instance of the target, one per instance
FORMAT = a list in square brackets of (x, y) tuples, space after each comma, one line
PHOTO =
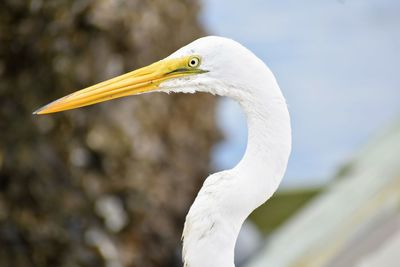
[(194, 62)]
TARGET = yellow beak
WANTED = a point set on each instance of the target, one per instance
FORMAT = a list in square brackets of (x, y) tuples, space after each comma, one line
[(139, 81)]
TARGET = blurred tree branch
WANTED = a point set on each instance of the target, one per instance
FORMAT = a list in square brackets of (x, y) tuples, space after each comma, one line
[(107, 185)]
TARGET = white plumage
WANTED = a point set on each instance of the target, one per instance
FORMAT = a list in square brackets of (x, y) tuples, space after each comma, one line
[(223, 67), (227, 198)]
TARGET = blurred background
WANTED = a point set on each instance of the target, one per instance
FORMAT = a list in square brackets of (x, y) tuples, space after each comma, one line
[(110, 185)]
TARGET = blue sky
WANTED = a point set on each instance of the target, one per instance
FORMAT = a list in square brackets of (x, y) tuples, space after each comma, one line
[(337, 63)]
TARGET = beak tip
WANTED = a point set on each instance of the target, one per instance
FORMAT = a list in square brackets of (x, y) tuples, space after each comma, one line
[(39, 111)]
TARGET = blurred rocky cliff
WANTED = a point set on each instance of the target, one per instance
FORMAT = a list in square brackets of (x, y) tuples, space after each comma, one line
[(107, 185)]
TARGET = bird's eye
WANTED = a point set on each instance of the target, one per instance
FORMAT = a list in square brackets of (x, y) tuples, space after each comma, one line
[(194, 62)]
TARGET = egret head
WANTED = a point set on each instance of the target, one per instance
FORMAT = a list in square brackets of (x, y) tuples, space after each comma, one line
[(211, 64)]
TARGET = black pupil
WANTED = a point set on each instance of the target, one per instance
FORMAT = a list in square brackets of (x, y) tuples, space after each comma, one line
[(193, 62)]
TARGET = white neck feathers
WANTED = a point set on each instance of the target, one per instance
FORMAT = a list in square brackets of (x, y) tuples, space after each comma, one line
[(227, 198)]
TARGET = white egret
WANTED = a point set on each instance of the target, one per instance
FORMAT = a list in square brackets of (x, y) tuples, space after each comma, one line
[(223, 67)]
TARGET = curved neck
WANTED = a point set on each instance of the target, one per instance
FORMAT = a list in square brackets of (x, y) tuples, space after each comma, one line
[(268, 146), (227, 198)]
